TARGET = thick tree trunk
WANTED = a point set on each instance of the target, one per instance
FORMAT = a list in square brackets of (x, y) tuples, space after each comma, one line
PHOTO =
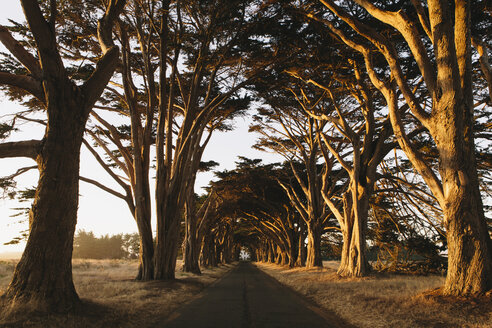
[(226, 252), (212, 256), (263, 253), (141, 192), (166, 256), (166, 250), (353, 260), (218, 253), (293, 249), (191, 256), (271, 253), (208, 251), (278, 257), (302, 251), (284, 258), (258, 255), (314, 245), (43, 277), (469, 255), (469, 243), (168, 185), (192, 248), (146, 252), (142, 215), (205, 252)]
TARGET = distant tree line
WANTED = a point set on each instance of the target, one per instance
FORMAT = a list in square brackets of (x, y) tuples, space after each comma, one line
[(120, 246)]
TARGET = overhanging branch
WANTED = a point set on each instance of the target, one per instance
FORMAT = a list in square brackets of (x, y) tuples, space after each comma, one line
[(28, 148)]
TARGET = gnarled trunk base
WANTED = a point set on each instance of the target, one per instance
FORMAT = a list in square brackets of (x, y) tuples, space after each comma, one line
[(469, 245)]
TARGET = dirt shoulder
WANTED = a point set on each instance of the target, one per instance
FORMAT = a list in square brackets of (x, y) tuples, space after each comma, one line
[(383, 300), (111, 298)]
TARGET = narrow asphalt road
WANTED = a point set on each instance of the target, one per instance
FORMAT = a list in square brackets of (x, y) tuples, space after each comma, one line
[(247, 297)]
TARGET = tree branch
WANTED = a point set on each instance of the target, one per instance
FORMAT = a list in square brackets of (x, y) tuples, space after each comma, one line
[(44, 37), (484, 63), (399, 21), (383, 46), (105, 67), (28, 148), (103, 187), (19, 52), (24, 82)]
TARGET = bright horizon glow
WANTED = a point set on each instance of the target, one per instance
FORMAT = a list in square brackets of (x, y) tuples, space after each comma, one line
[(99, 211)]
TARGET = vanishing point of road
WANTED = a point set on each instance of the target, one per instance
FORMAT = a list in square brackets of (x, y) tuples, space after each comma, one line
[(247, 297)]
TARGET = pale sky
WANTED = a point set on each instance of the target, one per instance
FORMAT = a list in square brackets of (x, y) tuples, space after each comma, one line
[(99, 211)]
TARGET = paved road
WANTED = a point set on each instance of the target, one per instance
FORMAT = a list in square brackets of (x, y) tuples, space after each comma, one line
[(247, 297)]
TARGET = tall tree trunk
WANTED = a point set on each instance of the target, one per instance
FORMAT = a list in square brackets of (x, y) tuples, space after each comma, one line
[(468, 240), (264, 253), (278, 257), (143, 217), (146, 252), (353, 260), (166, 250), (205, 251), (314, 245), (43, 277), (213, 253), (228, 248), (302, 251), (293, 248), (140, 146), (284, 257), (168, 202), (271, 253), (192, 248), (218, 252), (256, 255), (469, 247)]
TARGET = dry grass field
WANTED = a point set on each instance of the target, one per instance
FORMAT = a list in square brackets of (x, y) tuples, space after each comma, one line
[(111, 298), (384, 300)]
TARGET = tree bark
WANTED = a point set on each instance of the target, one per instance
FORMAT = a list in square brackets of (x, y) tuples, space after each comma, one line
[(271, 253), (302, 251), (293, 248), (192, 247), (44, 274), (141, 191), (166, 250), (146, 252), (468, 240), (353, 259), (314, 245)]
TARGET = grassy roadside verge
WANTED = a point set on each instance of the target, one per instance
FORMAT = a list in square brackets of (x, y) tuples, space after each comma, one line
[(384, 300), (111, 298)]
